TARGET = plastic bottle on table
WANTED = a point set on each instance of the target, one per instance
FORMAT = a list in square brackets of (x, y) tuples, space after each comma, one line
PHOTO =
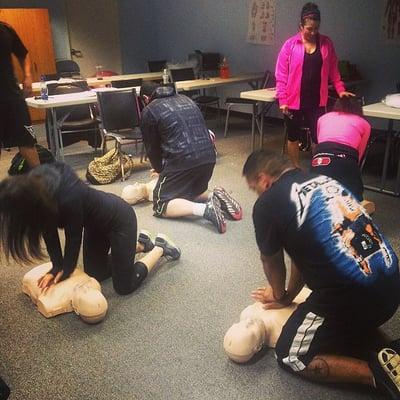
[(224, 72), (165, 77), (44, 92)]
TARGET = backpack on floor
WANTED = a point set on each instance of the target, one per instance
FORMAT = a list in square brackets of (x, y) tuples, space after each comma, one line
[(19, 165)]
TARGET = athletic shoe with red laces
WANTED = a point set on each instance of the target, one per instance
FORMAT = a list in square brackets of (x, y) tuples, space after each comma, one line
[(228, 204), (214, 214)]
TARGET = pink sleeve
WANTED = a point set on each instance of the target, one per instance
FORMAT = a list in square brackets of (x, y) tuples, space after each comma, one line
[(366, 132), (281, 73), (334, 74)]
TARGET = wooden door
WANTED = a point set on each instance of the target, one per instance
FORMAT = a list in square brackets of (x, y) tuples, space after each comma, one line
[(33, 27)]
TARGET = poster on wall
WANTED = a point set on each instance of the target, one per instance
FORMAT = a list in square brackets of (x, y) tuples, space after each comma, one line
[(391, 21), (261, 29)]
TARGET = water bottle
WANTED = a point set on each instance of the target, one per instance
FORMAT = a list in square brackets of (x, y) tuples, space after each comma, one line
[(44, 93), (165, 77)]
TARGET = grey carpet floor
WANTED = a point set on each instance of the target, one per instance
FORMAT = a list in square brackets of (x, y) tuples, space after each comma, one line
[(165, 340)]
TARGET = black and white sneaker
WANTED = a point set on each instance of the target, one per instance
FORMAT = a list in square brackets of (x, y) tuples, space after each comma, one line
[(146, 239), (214, 214), (170, 250), (228, 204), (385, 367)]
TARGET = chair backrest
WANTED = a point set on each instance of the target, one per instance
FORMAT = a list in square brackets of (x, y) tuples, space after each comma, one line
[(66, 68), (268, 80), (156, 65), (118, 109), (126, 83), (78, 112), (51, 77), (182, 74), (210, 61)]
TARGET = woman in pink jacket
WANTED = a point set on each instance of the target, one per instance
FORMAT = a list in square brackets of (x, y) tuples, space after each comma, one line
[(306, 64), (343, 136)]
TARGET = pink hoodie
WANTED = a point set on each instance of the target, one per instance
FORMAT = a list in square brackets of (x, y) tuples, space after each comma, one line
[(289, 68)]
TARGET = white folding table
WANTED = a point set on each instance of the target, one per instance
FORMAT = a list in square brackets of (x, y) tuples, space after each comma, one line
[(381, 110), (261, 95)]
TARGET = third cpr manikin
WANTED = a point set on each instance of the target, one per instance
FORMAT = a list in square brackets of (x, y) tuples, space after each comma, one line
[(257, 328)]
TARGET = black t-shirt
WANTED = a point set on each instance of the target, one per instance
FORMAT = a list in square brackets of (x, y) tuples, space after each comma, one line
[(311, 79), (79, 206), (325, 231), (10, 44)]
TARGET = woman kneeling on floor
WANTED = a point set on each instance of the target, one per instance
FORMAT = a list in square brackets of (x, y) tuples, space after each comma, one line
[(52, 196)]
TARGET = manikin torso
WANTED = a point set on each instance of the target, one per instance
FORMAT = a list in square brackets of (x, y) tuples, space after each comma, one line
[(79, 293)]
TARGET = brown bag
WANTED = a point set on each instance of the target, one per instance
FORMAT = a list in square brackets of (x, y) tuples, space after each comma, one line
[(107, 168)]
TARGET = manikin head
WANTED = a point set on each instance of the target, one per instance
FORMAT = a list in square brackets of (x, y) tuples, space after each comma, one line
[(132, 194), (89, 302), (244, 339)]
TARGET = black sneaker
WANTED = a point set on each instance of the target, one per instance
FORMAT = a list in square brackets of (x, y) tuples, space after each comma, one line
[(213, 213), (170, 250), (4, 390), (228, 204), (385, 367), (146, 240)]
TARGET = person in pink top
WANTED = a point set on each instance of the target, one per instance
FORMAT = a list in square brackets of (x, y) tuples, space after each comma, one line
[(306, 64), (343, 136)]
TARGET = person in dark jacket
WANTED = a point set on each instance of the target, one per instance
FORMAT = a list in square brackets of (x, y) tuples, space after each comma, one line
[(15, 122), (181, 151), (51, 196)]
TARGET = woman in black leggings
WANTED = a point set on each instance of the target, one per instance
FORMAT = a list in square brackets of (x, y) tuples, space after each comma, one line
[(52, 196)]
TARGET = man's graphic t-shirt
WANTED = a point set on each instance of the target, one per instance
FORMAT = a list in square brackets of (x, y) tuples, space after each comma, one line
[(325, 231)]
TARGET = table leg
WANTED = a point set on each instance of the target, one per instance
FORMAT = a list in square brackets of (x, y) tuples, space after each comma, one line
[(397, 184), (262, 127), (253, 123), (54, 133), (387, 154)]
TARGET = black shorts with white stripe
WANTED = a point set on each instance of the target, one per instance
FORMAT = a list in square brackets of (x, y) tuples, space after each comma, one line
[(187, 184), (343, 328)]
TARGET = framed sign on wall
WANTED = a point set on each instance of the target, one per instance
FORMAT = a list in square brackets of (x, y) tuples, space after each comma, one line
[(261, 23)]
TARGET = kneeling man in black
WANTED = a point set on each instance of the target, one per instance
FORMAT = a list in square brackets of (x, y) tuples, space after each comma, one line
[(181, 151), (339, 253), (52, 196)]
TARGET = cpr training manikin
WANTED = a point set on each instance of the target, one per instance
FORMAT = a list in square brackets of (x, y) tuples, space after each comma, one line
[(138, 192), (79, 293), (257, 328)]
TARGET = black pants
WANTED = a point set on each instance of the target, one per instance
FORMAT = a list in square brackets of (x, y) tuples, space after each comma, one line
[(302, 118), (339, 162), (120, 264), (335, 322)]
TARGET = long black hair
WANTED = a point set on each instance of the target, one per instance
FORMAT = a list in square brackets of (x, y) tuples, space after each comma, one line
[(352, 105), (27, 207)]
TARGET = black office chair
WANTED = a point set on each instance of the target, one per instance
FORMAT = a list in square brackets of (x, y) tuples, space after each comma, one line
[(127, 83), (75, 123), (67, 68), (209, 63), (120, 120), (51, 77), (202, 100), (156, 65), (268, 81)]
